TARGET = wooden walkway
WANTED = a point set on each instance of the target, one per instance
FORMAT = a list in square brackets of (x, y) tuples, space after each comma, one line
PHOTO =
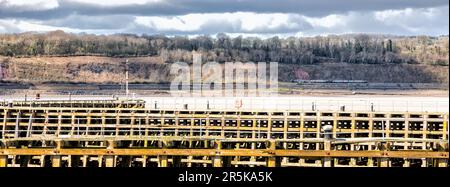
[(113, 133)]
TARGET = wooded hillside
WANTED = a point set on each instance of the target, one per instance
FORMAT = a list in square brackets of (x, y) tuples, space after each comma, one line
[(356, 48)]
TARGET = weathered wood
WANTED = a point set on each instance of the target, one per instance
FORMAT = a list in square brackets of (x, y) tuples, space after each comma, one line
[(146, 133), (162, 161), (229, 152), (3, 160)]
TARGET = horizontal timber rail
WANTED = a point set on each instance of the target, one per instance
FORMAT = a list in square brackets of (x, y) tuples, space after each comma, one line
[(212, 152)]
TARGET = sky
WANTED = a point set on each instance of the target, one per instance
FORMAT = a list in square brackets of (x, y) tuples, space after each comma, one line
[(263, 18)]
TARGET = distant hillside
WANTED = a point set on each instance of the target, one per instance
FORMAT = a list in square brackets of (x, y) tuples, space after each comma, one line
[(94, 69), (355, 49)]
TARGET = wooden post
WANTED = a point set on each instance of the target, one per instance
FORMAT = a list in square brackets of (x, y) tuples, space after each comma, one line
[(189, 163), (406, 134), (207, 126), (238, 125), (5, 121), (222, 131), (442, 162), (387, 129), (56, 159), (162, 161), (72, 122), (16, 128), (30, 123), (424, 136), (117, 122), (407, 163), (269, 126), (42, 161), (370, 162), (132, 124), (271, 160), (58, 130), (445, 127), (253, 158), (217, 161), (301, 160), (69, 161), (352, 146), (146, 137), (85, 160), (45, 122), (424, 163), (102, 130), (383, 161), (352, 160), (285, 135), (3, 160), (254, 129), (109, 159), (327, 160), (335, 124), (144, 161), (100, 160), (370, 159)]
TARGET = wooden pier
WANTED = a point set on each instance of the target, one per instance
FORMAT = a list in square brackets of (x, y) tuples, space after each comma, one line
[(123, 133)]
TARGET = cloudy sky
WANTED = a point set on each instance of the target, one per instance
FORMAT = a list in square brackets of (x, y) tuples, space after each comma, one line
[(235, 17)]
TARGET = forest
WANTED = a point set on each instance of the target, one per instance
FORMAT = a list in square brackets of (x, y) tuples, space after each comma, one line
[(349, 48)]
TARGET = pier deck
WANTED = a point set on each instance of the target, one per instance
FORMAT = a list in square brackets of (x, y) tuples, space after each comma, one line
[(118, 133)]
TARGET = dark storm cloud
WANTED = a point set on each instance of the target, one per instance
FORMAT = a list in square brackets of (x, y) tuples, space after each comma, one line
[(180, 7), (92, 22), (199, 17)]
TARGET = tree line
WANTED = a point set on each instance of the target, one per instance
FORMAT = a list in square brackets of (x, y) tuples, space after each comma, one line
[(350, 48)]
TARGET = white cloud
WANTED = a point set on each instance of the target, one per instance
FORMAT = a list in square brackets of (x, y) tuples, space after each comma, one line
[(407, 21), (432, 21), (329, 21), (8, 26), (415, 20), (16, 26), (245, 22)]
